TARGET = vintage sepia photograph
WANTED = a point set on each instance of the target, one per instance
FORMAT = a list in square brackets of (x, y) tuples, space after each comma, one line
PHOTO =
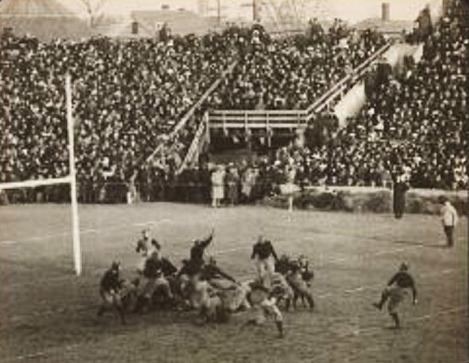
[(234, 181)]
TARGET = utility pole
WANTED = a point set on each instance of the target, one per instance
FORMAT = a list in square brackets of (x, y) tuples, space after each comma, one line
[(254, 11), (219, 12)]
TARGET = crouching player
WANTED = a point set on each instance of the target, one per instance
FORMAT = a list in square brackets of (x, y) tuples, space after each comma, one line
[(300, 285), (207, 300), (396, 291), (155, 281), (233, 294), (109, 290)]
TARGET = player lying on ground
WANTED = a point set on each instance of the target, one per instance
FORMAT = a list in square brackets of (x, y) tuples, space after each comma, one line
[(396, 291)]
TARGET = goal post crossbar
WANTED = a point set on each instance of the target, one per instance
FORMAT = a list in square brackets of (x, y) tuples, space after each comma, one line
[(35, 183)]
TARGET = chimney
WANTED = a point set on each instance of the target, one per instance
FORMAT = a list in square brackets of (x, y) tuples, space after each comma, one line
[(446, 5), (135, 27), (385, 12)]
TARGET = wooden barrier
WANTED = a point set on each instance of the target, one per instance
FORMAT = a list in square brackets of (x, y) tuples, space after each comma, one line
[(370, 199)]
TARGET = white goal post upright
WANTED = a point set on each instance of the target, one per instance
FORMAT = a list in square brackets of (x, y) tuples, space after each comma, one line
[(69, 179), (73, 180)]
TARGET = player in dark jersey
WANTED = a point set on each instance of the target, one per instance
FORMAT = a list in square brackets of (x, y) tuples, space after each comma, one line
[(214, 274), (300, 287), (198, 250), (396, 291), (109, 289), (264, 255), (145, 247), (155, 280)]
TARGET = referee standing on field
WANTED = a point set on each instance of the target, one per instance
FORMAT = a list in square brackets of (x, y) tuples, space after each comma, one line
[(449, 219), (399, 195)]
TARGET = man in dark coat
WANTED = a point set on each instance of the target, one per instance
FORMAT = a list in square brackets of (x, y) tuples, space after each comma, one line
[(399, 192)]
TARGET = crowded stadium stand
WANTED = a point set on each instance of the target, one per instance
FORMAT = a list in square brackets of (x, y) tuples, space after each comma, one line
[(142, 106)]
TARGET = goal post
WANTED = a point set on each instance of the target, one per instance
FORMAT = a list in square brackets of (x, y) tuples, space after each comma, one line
[(73, 180), (70, 179)]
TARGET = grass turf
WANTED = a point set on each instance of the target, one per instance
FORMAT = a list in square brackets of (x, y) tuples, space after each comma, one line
[(49, 315)]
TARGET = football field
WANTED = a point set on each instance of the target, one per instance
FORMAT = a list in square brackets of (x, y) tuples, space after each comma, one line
[(49, 315)]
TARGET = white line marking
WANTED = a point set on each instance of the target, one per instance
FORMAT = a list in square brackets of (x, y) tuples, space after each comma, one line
[(221, 252), (358, 289), (8, 242), (322, 296), (390, 252), (88, 231)]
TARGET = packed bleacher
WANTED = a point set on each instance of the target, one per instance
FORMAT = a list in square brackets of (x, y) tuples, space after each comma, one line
[(126, 96), (129, 95), (415, 124), (291, 73)]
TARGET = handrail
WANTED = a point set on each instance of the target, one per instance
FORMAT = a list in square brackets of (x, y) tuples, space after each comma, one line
[(193, 147), (191, 111), (293, 116), (259, 112), (207, 93), (274, 117), (350, 76)]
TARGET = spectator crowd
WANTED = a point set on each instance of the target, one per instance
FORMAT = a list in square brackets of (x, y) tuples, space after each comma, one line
[(415, 125), (129, 95), (292, 72)]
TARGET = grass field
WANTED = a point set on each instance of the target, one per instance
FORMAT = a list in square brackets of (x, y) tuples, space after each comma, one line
[(49, 315)]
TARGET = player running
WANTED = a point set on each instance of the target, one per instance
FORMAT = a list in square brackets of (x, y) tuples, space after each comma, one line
[(109, 289), (264, 255), (396, 291)]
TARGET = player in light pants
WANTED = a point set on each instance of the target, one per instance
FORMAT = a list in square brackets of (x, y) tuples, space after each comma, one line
[(264, 257), (266, 305)]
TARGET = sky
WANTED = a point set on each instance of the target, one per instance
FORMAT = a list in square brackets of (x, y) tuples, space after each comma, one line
[(350, 10)]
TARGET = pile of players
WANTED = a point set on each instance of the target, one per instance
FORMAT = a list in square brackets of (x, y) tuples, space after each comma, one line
[(200, 284)]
